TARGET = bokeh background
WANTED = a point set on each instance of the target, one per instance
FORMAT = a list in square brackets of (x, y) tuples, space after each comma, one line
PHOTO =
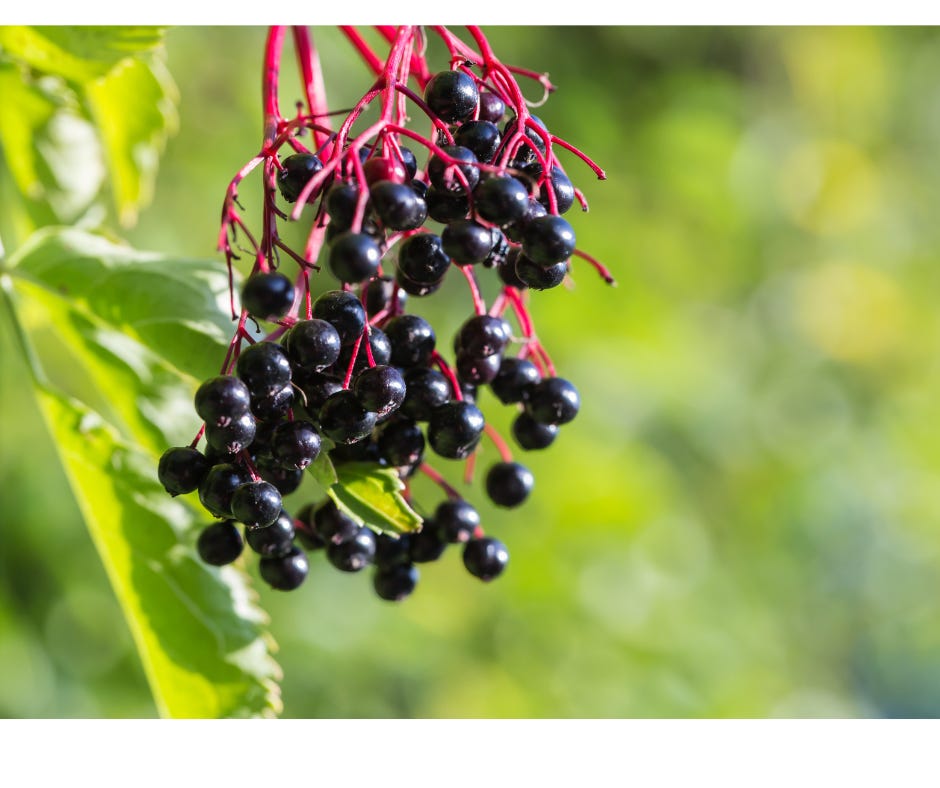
[(744, 520)]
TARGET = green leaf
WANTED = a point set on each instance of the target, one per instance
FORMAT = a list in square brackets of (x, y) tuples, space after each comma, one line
[(134, 109), (77, 54), (372, 495), (322, 470), (96, 322)]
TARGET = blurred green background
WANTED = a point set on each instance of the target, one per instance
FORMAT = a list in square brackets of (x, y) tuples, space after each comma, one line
[(743, 521)]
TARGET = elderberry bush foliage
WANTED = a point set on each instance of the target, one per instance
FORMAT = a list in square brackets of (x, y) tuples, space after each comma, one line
[(353, 385)]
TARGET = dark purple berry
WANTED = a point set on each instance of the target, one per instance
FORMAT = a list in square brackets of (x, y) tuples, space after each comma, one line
[(508, 484), (553, 401), (333, 525), (398, 206), (422, 259), (379, 292), (354, 257), (476, 370), (182, 469), (457, 519), (343, 419), (380, 389), (354, 554), (532, 435), (216, 490), (548, 240), (273, 406), (264, 368), (344, 311), (452, 95), (492, 107), (401, 443), (275, 540), (516, 378), (268, 294), (220, 543), (233, 437), (454, 429), (429, 543), (295, 444), (481, 137), (412, 339), (313, 344), (222, 399), (446, 207), (443, 172), (285, 573), (426, 389), (295, 173), (256, 504), (391, 550), (485, 558), (395, 583), (484, 335), (285, 479), (501, 199), (467, 242), (539, 277), (341, 202)]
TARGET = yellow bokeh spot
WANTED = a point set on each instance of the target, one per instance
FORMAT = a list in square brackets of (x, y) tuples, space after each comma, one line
[(828, 187), (851, 312)]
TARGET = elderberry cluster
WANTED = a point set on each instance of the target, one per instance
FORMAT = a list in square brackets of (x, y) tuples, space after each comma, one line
[(364, 380)]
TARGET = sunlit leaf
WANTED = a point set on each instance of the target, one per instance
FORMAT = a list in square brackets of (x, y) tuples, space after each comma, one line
[(372, 495)]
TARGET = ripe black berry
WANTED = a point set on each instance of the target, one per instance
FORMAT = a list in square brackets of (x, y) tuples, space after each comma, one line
[(354, 257), (492, 107), (547, 240), (354, 554), (553, 401), (333, 525), (182, 469), (538, 277), (419, 289), (516, 378), (429, 543), (501, 199), (285, 479), (412, 339), (514, 231), (317, 389), (426, 389), (392, 551), (452, 95), (380, 389), (220, 543), (395, 583), (485, 558), (264, 368), (341, 202), (216, 490), (285, 573), (466, 241), (457, 519), (444, 206), (525, 154), (221, 399), (313, 344), (296, 172), (422, 259), (564, 191), (508, 484), (273, 406), (344, 419), (532, 435), (344, 311), (401, 443), (268, 294), (256, 504), (477, 370), (481, 137), (454, 429), (275, 540), (379, 294), (295, 444), (398, 206), (484, 335), (234, 436), (443, 174)]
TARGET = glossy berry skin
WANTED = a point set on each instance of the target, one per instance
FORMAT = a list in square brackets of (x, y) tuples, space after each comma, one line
[(476, 370), (492, 107), (390, 551), (380, 389), (485, 558), (429, 543), (506, 269), (445, 207), (295, 444), (564, 191), (466, 241), (354, 554), (480, 137), (538, 277), (553, 401), (379, 293), (412, 339), (221, 399), (268, 294), (273, 406), (353, 257), (381, 349), (484, 335), (454, 429), (383, 168), (514, 231), (525, 154), (341, 202), (220, 543), (216, 490), (395, 583), (285, 573), (295, 173), (516, 378), (443, 172), (256, 504), (547, 240), (532, 435), (398, 206), (401, 443), (275, 540), (344, 311), (284, 479), (343, 418), (426, 389), (421, 258), (417, 289), (452, 96), (264, 368), (501, 199), (182, 469), (457, 519), (508, 484), (332, 525), (317, 390), (313, 344), (234, 436)]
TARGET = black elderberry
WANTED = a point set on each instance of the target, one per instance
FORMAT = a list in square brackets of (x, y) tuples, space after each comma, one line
[(401, 443), (381, 349), (443, 173), (515, 230), (501, 199), (264, 368), (221, 399), (379, 294), (508, 484), (398, 206), (454, 429), (353, 554), (457, 519), (275, 540), (412, 339), (476, 370), (380, 389), (256, 504), (417, 289), (234, 436), (429, 543), (500, 251), (285, 479), (446, 207), (538, 277), (467, 242), (285, 573), (492, 107), (274, 406), (485, 558), (317, 389), (182, 469), (516, 378), (295, 173), (353, 257), (313, 344), (452, 95), (304, 532), (409, 161), (343, 418), (391, 550), (333, 525), (422, 259), (220, 543), (548, 240), (216, 490), (553, 401), (341, 202), (481, 137), (525, 154), (531, 434), (564, 191), (426, 389), (344, 311), (295, 444), (484, 335), (268, 294), (395, 583)]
